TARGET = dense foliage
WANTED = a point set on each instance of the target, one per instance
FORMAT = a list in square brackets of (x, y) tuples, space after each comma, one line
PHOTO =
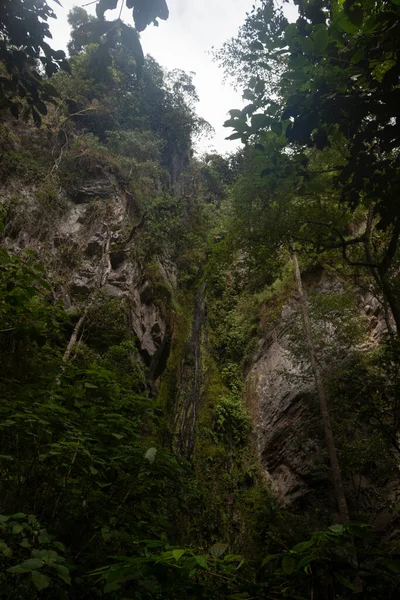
[(130, 462)]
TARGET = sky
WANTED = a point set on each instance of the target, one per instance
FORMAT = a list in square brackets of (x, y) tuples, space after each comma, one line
[(184, 41)]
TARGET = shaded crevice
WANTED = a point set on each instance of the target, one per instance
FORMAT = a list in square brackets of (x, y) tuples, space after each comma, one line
[(189, 391)]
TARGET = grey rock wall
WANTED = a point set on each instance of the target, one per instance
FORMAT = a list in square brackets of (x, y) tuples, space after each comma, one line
[(278, 384), (105, 262)]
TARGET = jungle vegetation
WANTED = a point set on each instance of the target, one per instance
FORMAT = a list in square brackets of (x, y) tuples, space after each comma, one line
[(97, 497)]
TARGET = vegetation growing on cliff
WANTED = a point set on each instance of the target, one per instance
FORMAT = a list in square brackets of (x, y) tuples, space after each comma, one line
[(139, 286)]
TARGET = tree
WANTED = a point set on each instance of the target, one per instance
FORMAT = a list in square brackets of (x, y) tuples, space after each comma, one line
[(340, 84), (27, 60)]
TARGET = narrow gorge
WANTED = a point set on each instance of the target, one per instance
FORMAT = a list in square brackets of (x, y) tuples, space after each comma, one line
[(163, 427)]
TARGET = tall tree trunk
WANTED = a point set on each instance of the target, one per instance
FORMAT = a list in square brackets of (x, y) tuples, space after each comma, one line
[(326, 419)]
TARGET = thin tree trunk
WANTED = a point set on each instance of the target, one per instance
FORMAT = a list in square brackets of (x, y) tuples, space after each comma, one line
[(74, 337), (326, 419)]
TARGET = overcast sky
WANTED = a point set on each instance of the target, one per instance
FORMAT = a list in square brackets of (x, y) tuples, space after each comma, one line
[(184, 42)]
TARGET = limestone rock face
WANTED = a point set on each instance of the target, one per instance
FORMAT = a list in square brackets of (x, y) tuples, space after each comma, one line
[(88, 251), (277, 386)]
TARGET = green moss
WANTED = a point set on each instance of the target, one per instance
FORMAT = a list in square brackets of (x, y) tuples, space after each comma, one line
[(181, 327), (18, 159)]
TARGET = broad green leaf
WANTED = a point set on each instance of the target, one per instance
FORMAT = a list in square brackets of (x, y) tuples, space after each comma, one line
[(337, 528), (305, 561), (259, 121), (268, 559), (63, 573), (321, 40), (299, 548), (18, 516), (40, 581), (345, 24), (3, 518), (32, 563), (4, 549), (60, 546), (202, 560), (276, 127), (307, 45), (178, 553), (28, 565), (288, 564), (43, 537), (17, 528), (234, 136), (256, 46)]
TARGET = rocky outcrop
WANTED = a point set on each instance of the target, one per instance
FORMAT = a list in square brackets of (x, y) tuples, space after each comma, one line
[(86, 251), (279, 386)]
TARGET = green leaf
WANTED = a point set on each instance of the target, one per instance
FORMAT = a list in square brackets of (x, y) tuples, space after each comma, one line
[(202, 560), (276, 127), (218, 550), (63, 573), (259, 121), (356, 15), (32, 563), (18, 516), (28, 565), (3, 518), (40, 581), (178, 553), (150, 455), (358, 56), (307, 45), (299, 548), (4, 549), (345, 24), (60, 546), (288, 564), (321, 40), (43, 537), (256, 46), (305, 561), (234, 136), (17, 528), (337, 528), (268, 559)]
